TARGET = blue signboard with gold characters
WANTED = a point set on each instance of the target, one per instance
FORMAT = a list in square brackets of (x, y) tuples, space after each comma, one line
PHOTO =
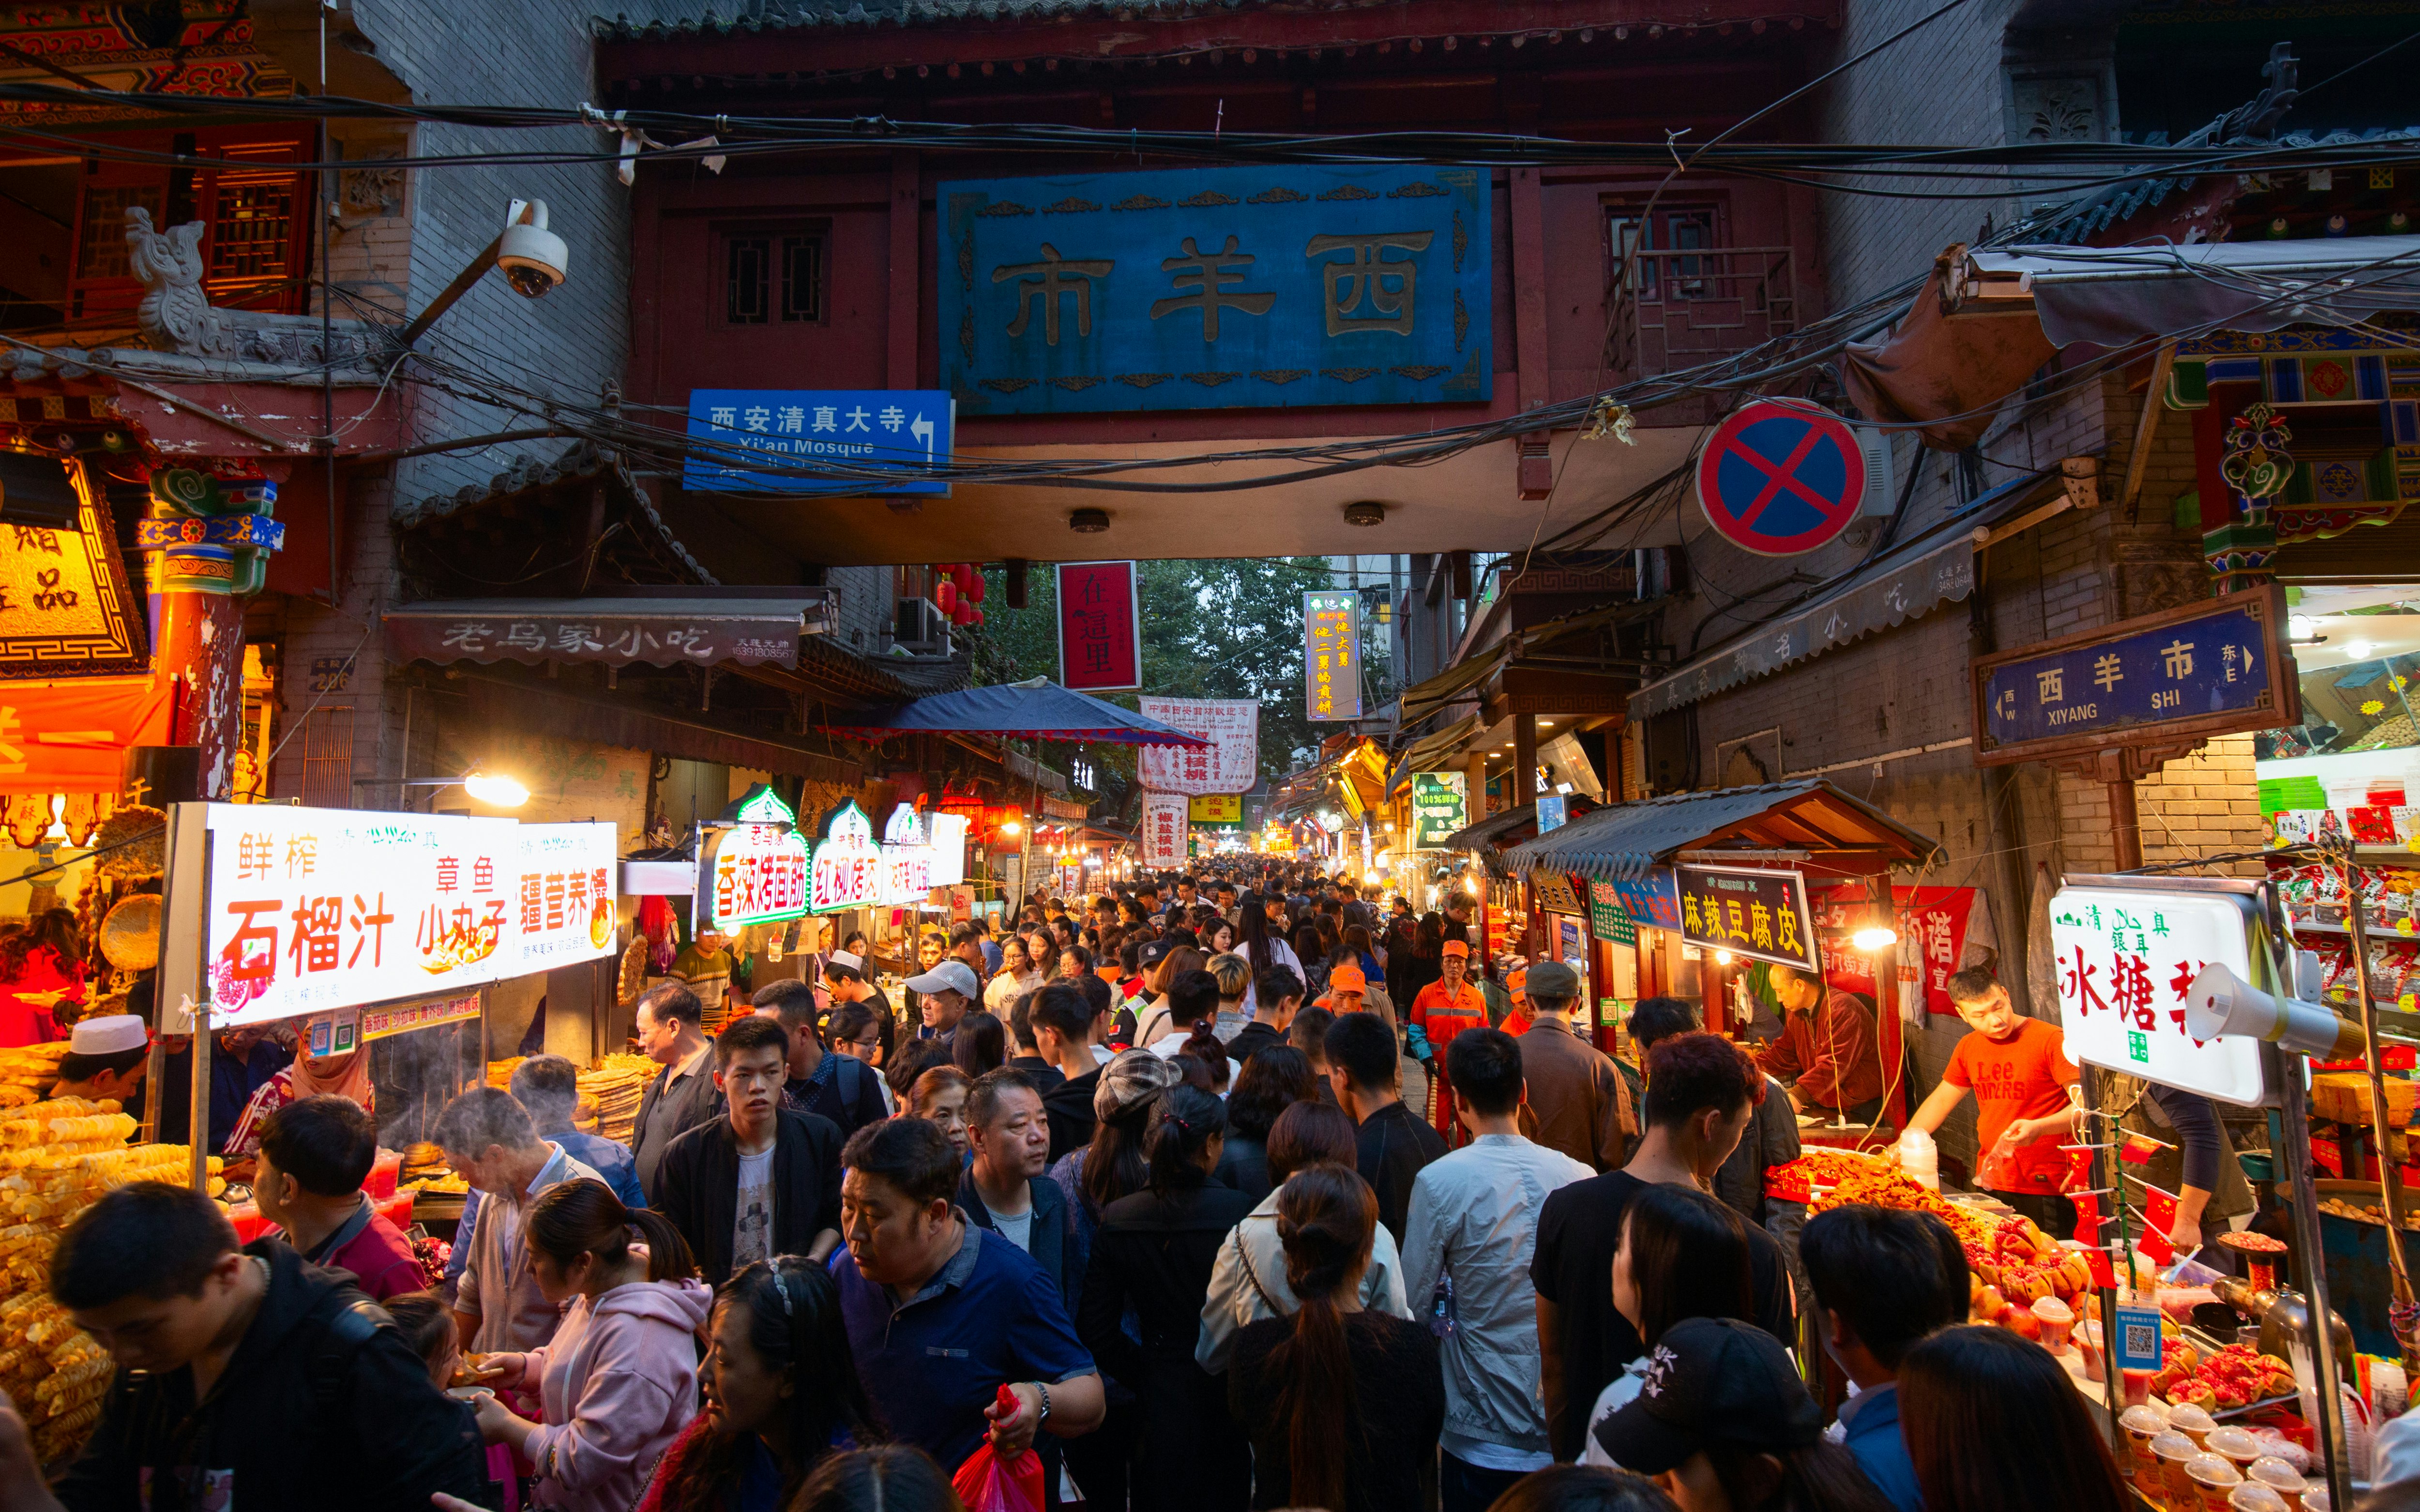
[(1216, 288)]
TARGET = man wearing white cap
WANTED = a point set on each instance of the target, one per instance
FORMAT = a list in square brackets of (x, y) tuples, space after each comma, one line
[(106, 1056), (947, 992)]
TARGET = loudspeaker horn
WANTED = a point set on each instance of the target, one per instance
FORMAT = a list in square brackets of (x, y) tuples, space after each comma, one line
[(2221, 1003)]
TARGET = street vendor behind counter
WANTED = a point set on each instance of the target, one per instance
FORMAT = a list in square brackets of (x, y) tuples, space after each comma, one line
[(2019, 1072), (2193, 1161), (1826, 1050)]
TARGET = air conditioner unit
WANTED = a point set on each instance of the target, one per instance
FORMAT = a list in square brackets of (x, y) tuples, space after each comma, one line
[(1881, 497), (920, 626)]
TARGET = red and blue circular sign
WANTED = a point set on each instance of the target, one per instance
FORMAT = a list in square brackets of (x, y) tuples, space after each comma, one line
[(1781, 478)]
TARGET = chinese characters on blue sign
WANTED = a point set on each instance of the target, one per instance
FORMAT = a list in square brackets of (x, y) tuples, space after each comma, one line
[(830, 441), (1331, 656), (1210, 288), (2214, 668)]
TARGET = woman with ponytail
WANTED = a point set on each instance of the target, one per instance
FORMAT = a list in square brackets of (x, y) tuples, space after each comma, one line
[(1151, 1256), (1344, 1405), (618, 1382), (783, 1397)]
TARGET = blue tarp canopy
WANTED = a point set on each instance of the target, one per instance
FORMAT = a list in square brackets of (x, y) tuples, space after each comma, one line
[(1038, 709)]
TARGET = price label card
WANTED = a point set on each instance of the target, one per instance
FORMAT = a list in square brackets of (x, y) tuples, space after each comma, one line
[(2138, 1338)]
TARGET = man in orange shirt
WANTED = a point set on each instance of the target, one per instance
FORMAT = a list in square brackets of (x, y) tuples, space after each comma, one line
[(1826, 1050), (1444, 1008), (2019, 1074), (1517, 1018)]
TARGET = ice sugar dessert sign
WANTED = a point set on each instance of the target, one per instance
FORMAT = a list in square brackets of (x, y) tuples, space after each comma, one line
[(2127, 959)]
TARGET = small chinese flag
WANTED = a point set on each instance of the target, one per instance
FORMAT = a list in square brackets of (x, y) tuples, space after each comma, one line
[(2155, 1244), (2087, 1216), (2102, 1275), (2159, 1210), (2139, 1148)]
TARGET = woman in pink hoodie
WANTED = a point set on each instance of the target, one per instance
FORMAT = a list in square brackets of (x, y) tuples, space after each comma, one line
[(618, 1382)]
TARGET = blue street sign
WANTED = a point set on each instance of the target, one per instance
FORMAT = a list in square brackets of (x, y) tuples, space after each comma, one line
[(1781, 478), (1199, 289), (818, 441), (2204, 669)]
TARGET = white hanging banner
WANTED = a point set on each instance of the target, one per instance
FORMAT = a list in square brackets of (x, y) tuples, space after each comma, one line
[(1166, 822), (1233, 762)]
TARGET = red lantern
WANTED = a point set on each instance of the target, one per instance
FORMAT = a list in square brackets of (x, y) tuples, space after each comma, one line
[(974, 588), (962, 613), (945, 593), (978, 617)]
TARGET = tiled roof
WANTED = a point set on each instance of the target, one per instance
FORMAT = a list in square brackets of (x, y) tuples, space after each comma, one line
[(582, 459), (2077, 224), (786, 15)]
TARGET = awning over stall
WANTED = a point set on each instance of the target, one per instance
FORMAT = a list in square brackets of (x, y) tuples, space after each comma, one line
[(1036, 709), (1489, 836), (1423, 754), (700, 630), (1625, 842)]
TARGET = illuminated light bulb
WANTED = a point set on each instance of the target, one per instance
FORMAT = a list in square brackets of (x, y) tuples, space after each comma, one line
[(495, 789), (1722, 957), (1874, 937)]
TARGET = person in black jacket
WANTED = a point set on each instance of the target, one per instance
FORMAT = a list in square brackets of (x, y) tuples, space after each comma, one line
[(1154, 1253), (841, 1087), (1063, 1015), (1392, 1145), (245, 1376), (758, 1182), (1005, 1189)]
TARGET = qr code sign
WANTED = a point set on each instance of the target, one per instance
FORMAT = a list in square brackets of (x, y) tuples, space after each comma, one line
[(2143, 1338)]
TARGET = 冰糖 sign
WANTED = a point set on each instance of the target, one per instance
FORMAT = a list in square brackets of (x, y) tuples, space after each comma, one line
[(1759, 914), (1331, 660), (907, 859), (1231, 765), (2125, 960), (846, 871), (308, 910), (1166, 829)]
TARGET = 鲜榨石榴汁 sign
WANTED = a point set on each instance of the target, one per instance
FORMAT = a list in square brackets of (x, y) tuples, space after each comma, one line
[(833, 443), (1782, 477), (2176, 677), (1214, 287)]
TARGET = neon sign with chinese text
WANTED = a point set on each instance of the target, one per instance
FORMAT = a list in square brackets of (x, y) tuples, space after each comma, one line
[(848, 867)]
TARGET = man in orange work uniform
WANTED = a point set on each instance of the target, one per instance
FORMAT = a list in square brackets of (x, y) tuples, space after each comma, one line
[(1444, 1008)]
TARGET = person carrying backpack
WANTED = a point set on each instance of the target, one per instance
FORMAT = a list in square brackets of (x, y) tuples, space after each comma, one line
[(245, 1376)]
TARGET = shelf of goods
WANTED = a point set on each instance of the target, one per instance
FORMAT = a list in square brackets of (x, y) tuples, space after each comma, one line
[(56, 1159), (2316, 907), (610, 1091)]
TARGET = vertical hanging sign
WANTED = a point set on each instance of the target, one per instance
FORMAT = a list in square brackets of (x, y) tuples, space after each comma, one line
[(1331, 626), (1165, 829), (1100, 627)]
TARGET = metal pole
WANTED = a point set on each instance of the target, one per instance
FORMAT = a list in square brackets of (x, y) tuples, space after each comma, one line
[(2390, 1179), (200, 1121), (2286, 1074), (2104, 1176)]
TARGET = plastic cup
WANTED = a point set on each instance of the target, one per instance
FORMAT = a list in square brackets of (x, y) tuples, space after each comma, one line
[(2254, 1497), (2057, 1319), (2137, 1385), (383, 1171), (2193, 1422), (2087, 1342), (2214, 1479), (2239, 1445), (2317, 1497), (2141, 1425), (2172, 1449), (2279, 1476)]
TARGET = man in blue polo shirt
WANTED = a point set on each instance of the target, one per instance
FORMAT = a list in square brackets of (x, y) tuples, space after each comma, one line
[(941, 1312)]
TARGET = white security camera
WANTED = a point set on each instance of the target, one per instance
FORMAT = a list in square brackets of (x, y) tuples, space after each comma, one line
[(534, 258)]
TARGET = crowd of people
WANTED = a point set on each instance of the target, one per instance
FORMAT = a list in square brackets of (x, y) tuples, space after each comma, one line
[(1240, 1192)]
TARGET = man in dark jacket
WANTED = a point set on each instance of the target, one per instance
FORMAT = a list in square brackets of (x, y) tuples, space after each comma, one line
[(757, 1181), (245, 1376), (1391, 1147), (671, 1031), (840, 1088), (1004, 1189), (1064, 1014)]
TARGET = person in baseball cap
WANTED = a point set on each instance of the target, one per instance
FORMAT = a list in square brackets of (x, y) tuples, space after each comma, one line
[(942, 996), (108, 1055), (1722, 1407)]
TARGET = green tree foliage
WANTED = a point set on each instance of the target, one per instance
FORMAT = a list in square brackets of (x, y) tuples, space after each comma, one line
[(1226, 628)]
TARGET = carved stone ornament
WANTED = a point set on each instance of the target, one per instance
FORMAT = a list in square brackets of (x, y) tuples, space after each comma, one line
[(176, 313)]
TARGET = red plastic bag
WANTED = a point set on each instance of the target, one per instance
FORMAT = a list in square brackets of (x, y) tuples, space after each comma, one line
[(994, 1482)]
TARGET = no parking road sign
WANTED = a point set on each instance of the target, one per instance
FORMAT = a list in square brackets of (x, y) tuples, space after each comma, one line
[(1779, 479)]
